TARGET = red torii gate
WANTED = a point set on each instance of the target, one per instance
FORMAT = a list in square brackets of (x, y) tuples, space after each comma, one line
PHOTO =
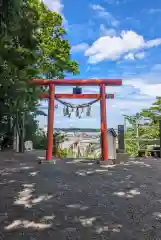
[(77, 82)]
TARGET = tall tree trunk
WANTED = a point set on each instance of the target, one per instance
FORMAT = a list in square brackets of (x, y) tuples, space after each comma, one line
[(16, 139), (22, 134)]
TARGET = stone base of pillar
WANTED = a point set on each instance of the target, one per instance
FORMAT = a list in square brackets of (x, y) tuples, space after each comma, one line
[(46, 161), (120, 151), (121, 158), (108, 162)]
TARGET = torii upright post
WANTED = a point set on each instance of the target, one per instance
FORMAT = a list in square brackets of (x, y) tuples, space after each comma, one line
[(49, 151), (78, 82), (104, 143)]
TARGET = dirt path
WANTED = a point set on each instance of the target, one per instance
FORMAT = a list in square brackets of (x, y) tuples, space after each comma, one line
[(79, 200)]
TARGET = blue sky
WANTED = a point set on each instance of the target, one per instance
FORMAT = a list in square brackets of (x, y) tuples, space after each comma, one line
[(113, 39)]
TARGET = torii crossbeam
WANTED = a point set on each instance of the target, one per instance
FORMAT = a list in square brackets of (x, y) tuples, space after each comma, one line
[(77, 82)]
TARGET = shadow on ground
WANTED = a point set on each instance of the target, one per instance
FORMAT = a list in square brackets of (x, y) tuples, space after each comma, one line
[(73, 200)]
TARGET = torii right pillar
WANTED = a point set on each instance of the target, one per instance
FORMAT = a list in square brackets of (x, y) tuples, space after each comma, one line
[(104, 143)]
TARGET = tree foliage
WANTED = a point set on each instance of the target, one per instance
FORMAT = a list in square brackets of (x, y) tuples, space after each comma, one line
[(154, 112), (32, 44), (143, 129), (40, 142), (54, 50)]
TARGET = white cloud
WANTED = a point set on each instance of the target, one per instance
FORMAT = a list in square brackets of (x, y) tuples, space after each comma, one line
[(149, 84), (129, 56), (131, 105), (79, 47), (101, 12), (153, 43), (134, 56), (97, 7), (152, 90), (147, 88), (113, 48)]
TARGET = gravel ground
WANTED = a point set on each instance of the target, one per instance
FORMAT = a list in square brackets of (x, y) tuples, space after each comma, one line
[(77, 200)]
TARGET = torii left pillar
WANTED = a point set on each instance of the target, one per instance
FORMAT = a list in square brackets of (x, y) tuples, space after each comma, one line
[(49, 151), (104, 143)]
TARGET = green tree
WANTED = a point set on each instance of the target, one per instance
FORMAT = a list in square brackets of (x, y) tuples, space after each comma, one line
[(31, 127), (32, 44), (54, 50), (143, 129), (154, 112), (18, 46)]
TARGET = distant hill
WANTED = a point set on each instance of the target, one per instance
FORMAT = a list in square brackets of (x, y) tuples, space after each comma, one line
[(77, 130)]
